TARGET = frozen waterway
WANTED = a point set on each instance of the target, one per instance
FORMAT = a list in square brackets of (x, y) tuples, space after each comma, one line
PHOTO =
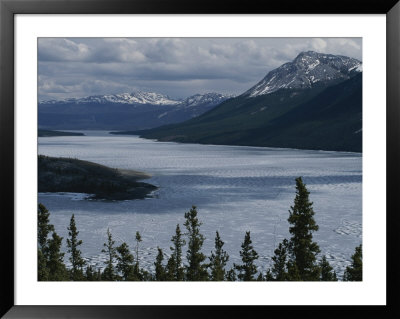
[(235, 188)]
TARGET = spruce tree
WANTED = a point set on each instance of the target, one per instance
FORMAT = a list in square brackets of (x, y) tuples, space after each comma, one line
[(43, 272), (125, 261), (218, 260), (196, 270), (160, 271), (178, 243), (109, 272), (76, 259), (137, 272), (354, 271), (247, 269), (293, 273), (268, 276), (327, 272), (302, 249), (90, 274), (98, 275), (44, 227), (55, 259), (279, 268), (50, 259), (231, 275), (145, 275), (138, 239), (170, 269)]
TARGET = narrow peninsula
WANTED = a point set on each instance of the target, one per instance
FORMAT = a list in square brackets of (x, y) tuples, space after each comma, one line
[(77, 176), (47, 133)]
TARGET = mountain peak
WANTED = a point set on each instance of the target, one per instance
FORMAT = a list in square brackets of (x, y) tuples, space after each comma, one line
[(205, 98), (307, 53), (308, 69), (154, 98)]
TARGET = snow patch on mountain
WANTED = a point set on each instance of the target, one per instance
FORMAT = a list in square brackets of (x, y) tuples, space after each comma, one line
[(207, 98)]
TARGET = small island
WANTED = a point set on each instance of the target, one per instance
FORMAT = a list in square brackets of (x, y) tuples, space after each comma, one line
[(77, 176), (47, 133)]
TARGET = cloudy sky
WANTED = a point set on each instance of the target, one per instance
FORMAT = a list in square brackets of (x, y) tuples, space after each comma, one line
[(178, 67)]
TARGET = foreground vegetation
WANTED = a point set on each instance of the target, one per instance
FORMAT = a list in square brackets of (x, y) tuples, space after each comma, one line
[(295, 259), (77, 176)]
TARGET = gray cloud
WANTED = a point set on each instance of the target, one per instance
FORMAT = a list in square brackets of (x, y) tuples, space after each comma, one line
[(179, 67)]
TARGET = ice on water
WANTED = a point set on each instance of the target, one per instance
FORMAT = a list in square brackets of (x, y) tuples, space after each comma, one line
[(235, 188)]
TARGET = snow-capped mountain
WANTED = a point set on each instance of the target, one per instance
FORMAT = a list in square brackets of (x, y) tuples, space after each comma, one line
[(138, 110), (308, 69), (140, 97), (137, 97), (312, 102)]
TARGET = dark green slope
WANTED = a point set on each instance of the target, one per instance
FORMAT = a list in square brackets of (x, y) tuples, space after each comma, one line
[(233, 118), (330, 121), (318, 118)]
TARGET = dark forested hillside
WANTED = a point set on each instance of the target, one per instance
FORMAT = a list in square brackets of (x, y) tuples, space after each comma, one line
[(326, 118)]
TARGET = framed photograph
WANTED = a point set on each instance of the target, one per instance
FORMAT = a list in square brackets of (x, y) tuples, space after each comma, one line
[(176, 159)]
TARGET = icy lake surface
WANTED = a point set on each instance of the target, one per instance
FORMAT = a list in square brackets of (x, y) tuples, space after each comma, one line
[(235, 189)]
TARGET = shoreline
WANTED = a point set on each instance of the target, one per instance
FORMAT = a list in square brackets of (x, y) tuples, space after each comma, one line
[(126, 133)]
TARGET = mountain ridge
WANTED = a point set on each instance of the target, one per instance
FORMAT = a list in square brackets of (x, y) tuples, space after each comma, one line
[(325, 116), (308, 69), (139, 97)]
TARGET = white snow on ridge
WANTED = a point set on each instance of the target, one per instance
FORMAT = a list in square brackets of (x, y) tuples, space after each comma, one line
[(123, 98), (150, 98), (304, 71), (357, 68)]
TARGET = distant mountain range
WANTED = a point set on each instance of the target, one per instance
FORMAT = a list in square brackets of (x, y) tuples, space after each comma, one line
[(137, 110), (124, 98), (313, 102)]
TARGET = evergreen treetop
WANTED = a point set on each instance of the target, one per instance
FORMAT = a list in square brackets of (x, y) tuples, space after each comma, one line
[(44, 226), (196, 269), (124, 261), (178, 243), (327, 272), (73, 243), (55, 260), (109, 272), (218, 260), (354, 271), (159, 268), (138, 239), (302, 248), (247, 269), (279, 271)]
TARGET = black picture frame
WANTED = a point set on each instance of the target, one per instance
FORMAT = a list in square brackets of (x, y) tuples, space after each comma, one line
[(9, 8)]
